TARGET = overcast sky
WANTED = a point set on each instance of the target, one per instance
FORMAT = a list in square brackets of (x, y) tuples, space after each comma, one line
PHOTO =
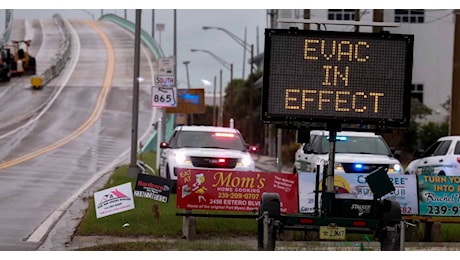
[(234, 16), (190, 35)]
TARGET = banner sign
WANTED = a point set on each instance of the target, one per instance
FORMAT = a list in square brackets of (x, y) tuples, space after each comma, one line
[(354, 186), (234, 190), (152, 187), (439, 195), (114, 200)]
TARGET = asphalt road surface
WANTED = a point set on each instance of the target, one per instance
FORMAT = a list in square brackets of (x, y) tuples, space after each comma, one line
[(58, 141)]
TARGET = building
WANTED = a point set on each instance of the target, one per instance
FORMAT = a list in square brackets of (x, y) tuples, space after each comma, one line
[(433, 32)]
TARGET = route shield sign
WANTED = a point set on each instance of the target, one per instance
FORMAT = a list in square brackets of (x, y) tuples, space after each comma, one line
[(164, 96)]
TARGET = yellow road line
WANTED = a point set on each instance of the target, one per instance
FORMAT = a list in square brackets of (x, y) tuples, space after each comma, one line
[(95, 114)]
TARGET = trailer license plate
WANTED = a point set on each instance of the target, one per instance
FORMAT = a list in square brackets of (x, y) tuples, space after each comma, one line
[(332, 233)]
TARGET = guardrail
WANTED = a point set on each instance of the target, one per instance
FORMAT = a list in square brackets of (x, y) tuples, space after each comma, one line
[(38, 81), (145, 37), (8, 26), (151, 144)]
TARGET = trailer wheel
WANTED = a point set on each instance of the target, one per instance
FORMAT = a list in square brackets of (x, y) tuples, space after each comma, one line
[(390, 239), (269, 203)]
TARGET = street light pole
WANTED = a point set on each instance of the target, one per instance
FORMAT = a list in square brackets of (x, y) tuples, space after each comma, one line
[(221, 106), (251, 109), (241, 42), (188, 84), (227, 65), (133, 169)]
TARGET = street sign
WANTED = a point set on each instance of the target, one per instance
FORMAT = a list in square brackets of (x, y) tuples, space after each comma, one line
[(189, 101), (166, 66), (164, 80), (164, 96), (345, 77)]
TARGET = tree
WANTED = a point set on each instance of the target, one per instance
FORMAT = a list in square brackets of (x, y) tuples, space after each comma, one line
[(236, 106)]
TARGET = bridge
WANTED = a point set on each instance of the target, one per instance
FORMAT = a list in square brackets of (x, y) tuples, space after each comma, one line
[(58, 142)]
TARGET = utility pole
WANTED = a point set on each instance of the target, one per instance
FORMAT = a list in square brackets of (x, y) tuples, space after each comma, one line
[(357, 18), (377, 17), (133, 169), (454, 126), (306, 15)]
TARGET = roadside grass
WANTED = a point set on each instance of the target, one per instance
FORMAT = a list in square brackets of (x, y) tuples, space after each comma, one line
[(141, 222)]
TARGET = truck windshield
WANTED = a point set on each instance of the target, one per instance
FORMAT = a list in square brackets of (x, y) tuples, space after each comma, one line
[(357, 144), (196, 139)]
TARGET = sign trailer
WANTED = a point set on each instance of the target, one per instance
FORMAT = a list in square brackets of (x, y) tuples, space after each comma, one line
[(335, 78)]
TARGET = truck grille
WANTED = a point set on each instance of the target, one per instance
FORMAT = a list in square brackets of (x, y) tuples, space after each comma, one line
[(213, 162), (366, 168)]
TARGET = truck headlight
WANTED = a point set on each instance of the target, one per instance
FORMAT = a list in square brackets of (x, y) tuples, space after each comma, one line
[(181, 158), (395, 168)]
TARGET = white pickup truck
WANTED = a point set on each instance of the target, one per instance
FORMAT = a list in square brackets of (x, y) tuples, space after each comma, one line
[(355, 152)]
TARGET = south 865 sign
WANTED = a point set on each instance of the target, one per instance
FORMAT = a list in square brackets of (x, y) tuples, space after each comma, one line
[(348, 77), (164, 96)]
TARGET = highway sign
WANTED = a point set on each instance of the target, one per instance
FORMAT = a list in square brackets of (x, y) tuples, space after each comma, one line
[(164, 96)]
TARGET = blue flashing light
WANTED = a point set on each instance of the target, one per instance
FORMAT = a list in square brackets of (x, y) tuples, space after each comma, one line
[(358, 166), (340, 138)]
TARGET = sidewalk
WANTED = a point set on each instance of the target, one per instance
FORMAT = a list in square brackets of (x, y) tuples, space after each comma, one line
[(269, 164)]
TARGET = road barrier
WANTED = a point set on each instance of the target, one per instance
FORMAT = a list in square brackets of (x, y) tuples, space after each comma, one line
[(38, 81)]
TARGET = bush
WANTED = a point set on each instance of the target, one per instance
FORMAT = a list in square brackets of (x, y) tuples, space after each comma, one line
[(432, 131), (288, 153)]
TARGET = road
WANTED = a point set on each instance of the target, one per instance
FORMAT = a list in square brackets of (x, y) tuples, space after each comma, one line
[(57, 141)]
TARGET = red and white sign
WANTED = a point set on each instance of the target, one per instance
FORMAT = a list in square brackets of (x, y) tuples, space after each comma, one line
[(234, 190), (114, 200)]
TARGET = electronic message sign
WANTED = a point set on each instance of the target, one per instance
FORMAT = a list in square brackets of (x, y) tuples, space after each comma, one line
[(346, 77), (189, 101)]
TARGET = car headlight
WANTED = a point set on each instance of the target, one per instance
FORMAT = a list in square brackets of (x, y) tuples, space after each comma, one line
[(181, 158), (246, 161), (395, 168)]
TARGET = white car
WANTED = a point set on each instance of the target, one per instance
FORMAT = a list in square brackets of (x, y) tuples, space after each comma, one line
[(355, 152), (440, 158), (205, 147)]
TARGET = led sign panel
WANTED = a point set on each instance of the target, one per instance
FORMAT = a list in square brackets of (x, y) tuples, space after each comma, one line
[(337, 76), (189, 101)]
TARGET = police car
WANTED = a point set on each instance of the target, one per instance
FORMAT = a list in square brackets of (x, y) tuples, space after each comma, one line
[(205, 147), (440, 158), (355, 152)]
